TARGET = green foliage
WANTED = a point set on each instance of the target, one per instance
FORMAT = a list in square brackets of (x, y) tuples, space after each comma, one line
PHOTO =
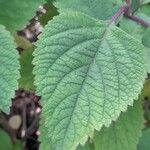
[(145, 11), (146, 38), (144, 143), (132, 28), (88, 146), (15, 14), (5, 141), (27, 78), (50, 13), (148, 60), (9, 69), (85, 71), (124, 133), (145, 1), (136, 4), (98, 8), (88, 70)]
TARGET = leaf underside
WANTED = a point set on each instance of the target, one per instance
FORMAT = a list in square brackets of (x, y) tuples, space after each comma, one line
[(124, 133), (9, 69), (15, 14), (87, 72)]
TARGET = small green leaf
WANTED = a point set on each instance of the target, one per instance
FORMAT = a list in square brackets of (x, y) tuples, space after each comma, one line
[(124, 133), (9, 69), (144, 143), (101, 9), (27, 78), (87, 72), (14, 14)]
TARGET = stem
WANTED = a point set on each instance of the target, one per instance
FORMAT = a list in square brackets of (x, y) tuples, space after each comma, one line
[(138, 20), (120, 12)]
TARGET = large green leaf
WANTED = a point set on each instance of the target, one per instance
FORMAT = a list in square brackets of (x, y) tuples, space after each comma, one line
[(144, 143), (14, 14), (101, 9), (87, 72), (124, 133), (9, 66)]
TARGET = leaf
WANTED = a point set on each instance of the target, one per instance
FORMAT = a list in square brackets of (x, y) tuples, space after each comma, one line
[(144, 143), (145, 9), (146, 38), (137, 4), (9, 69), (144, 13), (18, 146), (51, 11), (101, 9), (124, 133), (27, 78), (132, 28), (5, 142), (86, 147), (145, 1), (87, 72), (148, 60), (14, 14), (22, 42)]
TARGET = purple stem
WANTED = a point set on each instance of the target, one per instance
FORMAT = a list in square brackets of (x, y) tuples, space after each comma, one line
[(120, 12), (139, 20)]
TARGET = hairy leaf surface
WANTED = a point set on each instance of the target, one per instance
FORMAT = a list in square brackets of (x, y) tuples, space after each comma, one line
[(9, 66), (101, 9), (14, 14), (87, 72), (124, 133)]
